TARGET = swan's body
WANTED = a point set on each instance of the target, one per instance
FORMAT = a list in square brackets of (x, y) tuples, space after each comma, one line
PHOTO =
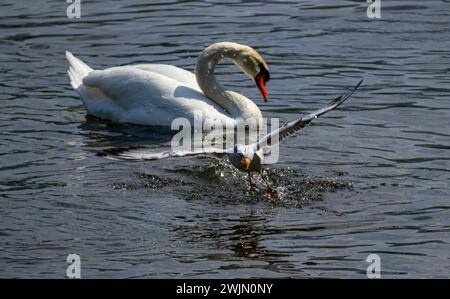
[(156, 94)]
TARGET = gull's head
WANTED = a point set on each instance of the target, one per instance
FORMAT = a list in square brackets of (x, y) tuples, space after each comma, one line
[(254, 66), (242, 157)]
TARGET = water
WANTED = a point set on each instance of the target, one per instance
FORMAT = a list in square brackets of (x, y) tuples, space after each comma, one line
[(372, 177)]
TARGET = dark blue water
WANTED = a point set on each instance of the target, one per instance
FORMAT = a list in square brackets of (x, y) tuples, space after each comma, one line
[(372, 177)]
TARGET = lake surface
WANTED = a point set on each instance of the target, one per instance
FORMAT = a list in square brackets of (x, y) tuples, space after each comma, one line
[(371, 177)]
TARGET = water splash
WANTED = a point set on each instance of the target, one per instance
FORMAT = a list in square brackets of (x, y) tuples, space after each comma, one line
[(218, 181)]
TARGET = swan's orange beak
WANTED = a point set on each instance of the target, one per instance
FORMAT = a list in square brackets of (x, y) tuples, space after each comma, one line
[(260, 82), (246, 163), (261, 79)]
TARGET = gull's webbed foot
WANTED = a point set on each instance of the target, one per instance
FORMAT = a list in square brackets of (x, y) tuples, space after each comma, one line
[(270, 189), (251, 183)]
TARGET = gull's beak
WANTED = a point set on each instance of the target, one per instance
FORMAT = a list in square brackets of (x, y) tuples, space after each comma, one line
[(261, 79), (246, 163)]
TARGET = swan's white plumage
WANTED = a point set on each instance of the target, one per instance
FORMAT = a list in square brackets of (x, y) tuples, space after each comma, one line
[(130, 94), (145, 97), (181, 75), (77, 70), (154, 94)]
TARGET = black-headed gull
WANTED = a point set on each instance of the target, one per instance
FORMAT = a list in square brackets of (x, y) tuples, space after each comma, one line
[(247, 158)]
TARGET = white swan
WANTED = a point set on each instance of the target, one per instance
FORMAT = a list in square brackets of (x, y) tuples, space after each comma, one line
[(156, 94)]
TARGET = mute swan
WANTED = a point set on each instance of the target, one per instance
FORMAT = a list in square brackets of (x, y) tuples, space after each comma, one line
[(246, 158), (156, 94)]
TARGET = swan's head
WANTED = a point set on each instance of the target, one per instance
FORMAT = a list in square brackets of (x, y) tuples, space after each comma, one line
[(254, 66), (248, 60)]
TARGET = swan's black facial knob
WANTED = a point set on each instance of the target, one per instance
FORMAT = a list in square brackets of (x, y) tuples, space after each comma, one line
[(261, 78)]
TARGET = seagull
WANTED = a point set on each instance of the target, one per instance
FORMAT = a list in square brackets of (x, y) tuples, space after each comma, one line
[(247, 158)]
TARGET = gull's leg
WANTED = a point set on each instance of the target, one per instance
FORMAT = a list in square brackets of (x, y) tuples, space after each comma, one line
[(252, 184), (270, 189)]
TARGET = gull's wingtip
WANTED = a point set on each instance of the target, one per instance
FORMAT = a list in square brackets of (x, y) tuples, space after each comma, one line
[(359, 83)]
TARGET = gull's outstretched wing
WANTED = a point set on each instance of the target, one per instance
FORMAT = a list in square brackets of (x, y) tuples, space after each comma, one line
[(140, 153), (296, 125)]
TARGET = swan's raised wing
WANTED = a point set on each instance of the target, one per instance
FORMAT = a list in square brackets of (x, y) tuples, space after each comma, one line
[(132, 88), (139, 96), (170, 71), (296, 125), (141, 153)]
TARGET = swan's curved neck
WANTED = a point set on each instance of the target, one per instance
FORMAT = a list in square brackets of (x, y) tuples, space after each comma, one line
[(234, 103)]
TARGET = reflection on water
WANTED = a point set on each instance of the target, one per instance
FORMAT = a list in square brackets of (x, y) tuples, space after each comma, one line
[(372, 177)]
